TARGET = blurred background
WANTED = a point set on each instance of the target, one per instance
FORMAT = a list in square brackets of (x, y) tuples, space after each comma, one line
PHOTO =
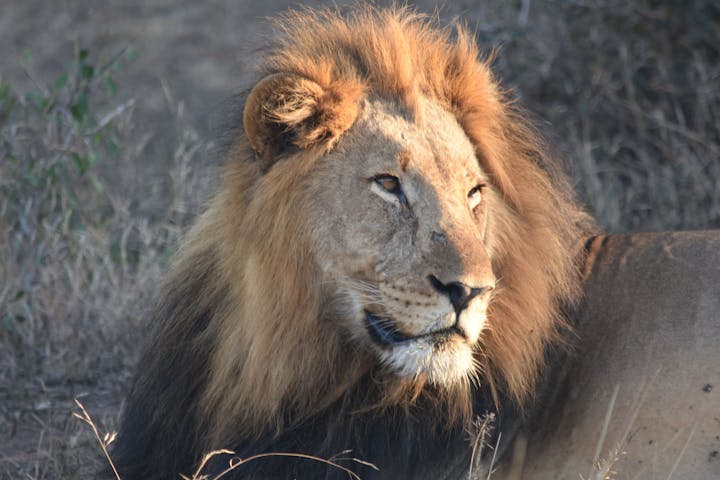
[(109, 113)]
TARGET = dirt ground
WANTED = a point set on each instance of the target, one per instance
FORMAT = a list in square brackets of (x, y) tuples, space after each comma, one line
[(192, 56)]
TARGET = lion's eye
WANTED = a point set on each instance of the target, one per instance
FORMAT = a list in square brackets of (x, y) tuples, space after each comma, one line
[(388, 187), (475, 196), (389, 183)]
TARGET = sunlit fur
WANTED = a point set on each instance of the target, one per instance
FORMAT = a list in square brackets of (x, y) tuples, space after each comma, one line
[(262, 360)]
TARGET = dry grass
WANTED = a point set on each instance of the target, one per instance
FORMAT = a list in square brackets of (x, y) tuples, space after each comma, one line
[(234, 463), (79, 259), (631, 89)]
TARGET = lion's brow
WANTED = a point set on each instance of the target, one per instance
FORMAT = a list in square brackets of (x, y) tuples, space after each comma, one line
[(404, 157)]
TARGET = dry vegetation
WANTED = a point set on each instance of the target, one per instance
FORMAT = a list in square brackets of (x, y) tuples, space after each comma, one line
[(80, 260), (631, 91)]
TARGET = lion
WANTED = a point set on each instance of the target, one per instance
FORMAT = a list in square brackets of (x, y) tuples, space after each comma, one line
[(640, 396), (387, 262)]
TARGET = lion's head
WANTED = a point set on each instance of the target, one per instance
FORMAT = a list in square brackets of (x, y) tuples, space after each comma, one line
[(387, 214), (393, 223)]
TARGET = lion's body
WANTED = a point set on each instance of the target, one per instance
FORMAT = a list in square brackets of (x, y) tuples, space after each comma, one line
[(386, 262), (650, 328)]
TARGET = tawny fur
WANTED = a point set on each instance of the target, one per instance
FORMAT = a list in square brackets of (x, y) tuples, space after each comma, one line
[(400, 55), (267, 363)]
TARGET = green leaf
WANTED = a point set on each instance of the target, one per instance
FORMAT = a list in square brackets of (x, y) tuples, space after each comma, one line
[(8, 324), (25, 56), (87, 72), (31, 178), (53, 172), (37, 100), (92, 159), (4, 90), (82, 162), (79, 108), (131, 54), (61, 81), (97, 185), (110, 86), (7, 100), (113, 146)]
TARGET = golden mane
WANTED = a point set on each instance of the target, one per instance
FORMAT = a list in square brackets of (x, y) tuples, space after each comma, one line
[(398, 54), (265, 363), (401, 55)]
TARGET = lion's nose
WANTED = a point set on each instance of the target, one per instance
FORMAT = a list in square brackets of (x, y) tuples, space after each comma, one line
[(459, 293)]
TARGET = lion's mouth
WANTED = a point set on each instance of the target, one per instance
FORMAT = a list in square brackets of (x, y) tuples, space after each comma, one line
[(383, 332)]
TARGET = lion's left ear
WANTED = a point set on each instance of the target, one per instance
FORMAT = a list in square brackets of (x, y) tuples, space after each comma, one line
[(286, 110)]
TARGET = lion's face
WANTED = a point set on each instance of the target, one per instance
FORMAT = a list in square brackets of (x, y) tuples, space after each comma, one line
[(401, 221)]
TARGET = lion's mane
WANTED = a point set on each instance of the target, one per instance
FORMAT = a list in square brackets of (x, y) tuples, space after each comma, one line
[(238, 359)]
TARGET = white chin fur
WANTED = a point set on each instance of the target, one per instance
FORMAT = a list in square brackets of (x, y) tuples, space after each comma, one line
[(450, 364)]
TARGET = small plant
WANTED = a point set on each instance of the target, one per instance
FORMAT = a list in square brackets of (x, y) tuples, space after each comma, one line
[(51, 140), (78, 255), (234, 462), (104, 441)]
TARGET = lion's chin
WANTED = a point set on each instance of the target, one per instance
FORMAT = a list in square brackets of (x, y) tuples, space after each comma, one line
[(443, 357), (444, 364)]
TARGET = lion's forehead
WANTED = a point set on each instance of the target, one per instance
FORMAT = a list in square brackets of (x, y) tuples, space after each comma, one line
[(432, 145)]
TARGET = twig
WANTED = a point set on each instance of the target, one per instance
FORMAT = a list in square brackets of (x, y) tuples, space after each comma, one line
[(204, 461), (606, 424), (682, 452), (116, 112), (104, 68), (236, 462), (483, 427), (85, 417), (492, 460)]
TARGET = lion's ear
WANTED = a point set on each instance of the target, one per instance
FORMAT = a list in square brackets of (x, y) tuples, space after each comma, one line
[(286, 110)]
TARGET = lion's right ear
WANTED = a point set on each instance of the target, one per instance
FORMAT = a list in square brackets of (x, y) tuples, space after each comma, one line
[(286, 110)]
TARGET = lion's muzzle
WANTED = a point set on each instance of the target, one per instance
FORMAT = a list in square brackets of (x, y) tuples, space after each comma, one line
[(387, 331)]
